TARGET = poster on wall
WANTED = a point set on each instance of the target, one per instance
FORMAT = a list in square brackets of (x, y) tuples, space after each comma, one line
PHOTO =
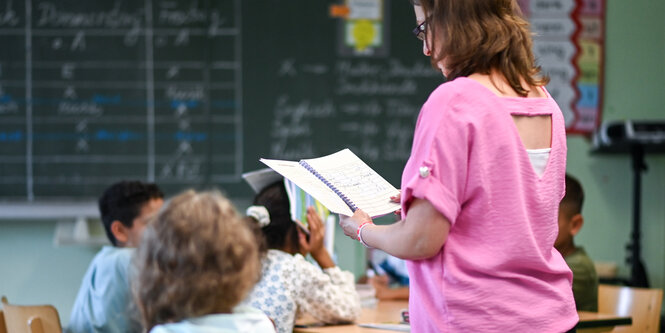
[(569, 46), (363, 27)]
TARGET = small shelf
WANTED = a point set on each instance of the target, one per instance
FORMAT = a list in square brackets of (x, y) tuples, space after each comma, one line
[(82, 231)]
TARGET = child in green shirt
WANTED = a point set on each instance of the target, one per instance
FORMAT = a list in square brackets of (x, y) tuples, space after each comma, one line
[(585, 280)]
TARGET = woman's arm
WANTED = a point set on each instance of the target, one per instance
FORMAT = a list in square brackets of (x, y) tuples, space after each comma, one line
[(419, 236)]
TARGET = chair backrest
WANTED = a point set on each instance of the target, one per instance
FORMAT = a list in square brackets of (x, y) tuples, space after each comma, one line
[(3, 326), (31, 318), (642, 304)]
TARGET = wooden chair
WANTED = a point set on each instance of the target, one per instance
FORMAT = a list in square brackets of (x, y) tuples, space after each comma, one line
[(3, 326), (642, 304), (31, 318)]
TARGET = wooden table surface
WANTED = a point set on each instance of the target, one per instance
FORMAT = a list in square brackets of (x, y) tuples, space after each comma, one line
[(593, 322), (384, 312), (390, 312)]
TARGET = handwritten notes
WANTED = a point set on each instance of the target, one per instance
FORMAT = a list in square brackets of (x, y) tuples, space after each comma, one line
[(191, 93), (94, 92), (340, 181), (370, 108)]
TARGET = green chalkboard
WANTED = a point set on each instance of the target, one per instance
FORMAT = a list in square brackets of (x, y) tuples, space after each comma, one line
[(193, 93)]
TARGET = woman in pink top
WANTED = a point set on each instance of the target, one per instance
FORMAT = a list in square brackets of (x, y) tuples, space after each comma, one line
[(481, 189)]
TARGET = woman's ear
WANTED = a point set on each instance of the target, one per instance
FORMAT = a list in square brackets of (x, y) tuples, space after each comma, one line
[(120, 232)]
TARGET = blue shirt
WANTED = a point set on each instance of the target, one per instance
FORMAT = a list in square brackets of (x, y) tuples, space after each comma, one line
[(102, 303), (395, 268)]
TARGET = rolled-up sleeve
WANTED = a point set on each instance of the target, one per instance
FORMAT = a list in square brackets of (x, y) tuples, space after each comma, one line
[(438, 166)]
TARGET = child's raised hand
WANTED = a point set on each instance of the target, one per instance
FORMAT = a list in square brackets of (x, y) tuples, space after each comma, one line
[(314, 244)]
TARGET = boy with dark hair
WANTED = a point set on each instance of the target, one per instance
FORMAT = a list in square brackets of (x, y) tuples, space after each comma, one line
[(585, 279), (102, 303)]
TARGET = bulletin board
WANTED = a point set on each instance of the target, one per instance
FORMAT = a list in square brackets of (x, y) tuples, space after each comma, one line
[(569, 45)]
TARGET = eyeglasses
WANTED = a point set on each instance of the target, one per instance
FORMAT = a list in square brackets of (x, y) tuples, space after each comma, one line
[(420, 31)]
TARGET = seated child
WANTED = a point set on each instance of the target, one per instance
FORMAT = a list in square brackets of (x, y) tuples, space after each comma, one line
[(290, 285), (391, 279), (585, 280), (103, 301), (197, 261)]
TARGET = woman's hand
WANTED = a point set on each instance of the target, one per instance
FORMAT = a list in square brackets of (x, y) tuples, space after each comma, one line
[(350, 224), (397, 198), (420, 235)]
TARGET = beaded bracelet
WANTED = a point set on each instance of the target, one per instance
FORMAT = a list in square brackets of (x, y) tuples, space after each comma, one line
[(360, 229)]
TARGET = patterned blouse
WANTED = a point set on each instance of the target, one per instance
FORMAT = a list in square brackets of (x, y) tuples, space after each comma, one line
[(291, 286)]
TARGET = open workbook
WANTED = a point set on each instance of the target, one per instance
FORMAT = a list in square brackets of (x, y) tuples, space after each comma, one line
[(341, 181)]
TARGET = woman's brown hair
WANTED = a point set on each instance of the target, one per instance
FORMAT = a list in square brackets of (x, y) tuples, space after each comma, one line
[(481, 36), (197, 257)]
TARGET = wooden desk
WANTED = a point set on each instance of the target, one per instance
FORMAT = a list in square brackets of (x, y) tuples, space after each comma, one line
[(593, 322), (390, 312), (384, 312)]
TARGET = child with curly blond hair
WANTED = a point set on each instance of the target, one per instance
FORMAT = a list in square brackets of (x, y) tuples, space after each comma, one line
[(196, 262)]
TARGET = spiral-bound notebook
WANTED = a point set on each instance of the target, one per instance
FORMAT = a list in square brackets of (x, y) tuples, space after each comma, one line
[(341, 181)]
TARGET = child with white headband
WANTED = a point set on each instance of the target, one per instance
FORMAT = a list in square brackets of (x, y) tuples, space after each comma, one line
[(290, 285)]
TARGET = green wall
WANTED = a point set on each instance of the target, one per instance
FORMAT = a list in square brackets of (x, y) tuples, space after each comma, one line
[(634, 89), (34, 271)]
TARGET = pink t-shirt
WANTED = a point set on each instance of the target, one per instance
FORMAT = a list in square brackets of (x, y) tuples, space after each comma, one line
[(498, 270)]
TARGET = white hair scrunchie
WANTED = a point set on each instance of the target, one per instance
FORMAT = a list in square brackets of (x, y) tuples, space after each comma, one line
[(260, 214)]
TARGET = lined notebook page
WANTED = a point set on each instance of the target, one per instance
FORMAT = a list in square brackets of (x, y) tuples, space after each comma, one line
[(355, 179), (310, 184)]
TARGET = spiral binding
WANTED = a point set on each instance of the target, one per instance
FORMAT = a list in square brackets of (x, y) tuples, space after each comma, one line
[(339, 193)]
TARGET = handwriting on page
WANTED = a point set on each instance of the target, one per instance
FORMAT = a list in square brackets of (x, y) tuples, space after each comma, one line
[(369, 191), (96, 91)]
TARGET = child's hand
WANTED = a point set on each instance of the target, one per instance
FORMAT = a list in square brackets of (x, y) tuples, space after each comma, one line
[(380, 280), (314, 244), (350, 224), (381, 287), (384, 292)]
